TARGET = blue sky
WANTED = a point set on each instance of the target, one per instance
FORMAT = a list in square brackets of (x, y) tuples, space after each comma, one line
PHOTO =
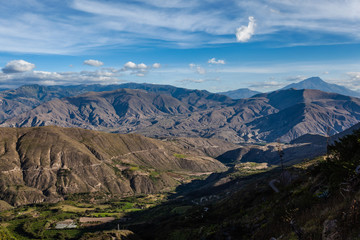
[(205, 44)]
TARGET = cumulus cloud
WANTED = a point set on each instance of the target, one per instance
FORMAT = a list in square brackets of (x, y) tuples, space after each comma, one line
[(140, 69), (109, 75), (142, 66), (244, 33), (156, 65), (214, 61), (103, 76), (197, 68), (18, 66), (94, 63), (130, 65)]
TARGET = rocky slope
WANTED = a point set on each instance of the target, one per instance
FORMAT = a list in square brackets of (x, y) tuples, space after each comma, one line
[(48, 163)]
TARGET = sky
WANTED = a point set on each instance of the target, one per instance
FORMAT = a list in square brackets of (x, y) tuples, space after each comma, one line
[(214, 45)]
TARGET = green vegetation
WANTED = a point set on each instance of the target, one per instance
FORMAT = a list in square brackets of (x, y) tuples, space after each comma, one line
[(181, 156), (39, 221), (134, 168)]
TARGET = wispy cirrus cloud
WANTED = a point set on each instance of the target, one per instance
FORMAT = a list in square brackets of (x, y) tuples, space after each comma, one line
[(267, 85), (198, 80), (75, 26)]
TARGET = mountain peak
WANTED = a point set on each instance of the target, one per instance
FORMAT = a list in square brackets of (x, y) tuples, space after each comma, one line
[(314, 80), (240, 93), (319, 84)]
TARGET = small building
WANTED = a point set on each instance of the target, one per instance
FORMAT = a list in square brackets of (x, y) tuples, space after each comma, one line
[(66, 224)]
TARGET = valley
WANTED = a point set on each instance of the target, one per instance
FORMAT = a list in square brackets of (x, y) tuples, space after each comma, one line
[(160, 162), (179, 120)]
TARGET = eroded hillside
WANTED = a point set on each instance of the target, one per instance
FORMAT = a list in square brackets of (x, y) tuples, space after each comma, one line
[(47, 163)]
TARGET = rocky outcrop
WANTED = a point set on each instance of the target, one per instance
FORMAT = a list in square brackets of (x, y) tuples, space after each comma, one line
[(330, 231)]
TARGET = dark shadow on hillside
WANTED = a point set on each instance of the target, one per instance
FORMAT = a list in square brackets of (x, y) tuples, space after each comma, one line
[(269, 154), (199, 195)]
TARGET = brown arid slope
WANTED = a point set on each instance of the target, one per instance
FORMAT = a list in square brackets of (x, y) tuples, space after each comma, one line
[(47, 163)]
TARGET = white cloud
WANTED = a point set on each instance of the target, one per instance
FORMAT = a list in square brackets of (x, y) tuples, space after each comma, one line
[(201, 80), (104, 76), (133, 66), (352, 81), (200, 70), (18, 66), (214, 61), (244, 33), (140, 69), (354, 75), (156, 65), (267, 85), (197, 68), (192, 80), (130, 65), (94, 63), (298, 78), (142, 66), (192, 65)]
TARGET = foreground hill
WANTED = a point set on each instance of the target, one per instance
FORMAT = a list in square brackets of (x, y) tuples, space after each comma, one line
[(284, 115), (317, 199), (48, 163)]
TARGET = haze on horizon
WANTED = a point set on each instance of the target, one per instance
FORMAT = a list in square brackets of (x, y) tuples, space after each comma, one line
[(204, 44)]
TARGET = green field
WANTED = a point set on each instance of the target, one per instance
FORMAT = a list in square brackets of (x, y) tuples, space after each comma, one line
[(39, 221)]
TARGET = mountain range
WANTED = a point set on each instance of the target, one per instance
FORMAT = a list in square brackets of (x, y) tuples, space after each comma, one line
[(240, 93), (168, 111), (285, 114)]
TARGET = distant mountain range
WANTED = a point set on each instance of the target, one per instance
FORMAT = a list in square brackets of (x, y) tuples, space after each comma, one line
[(319, 84), (309, 83), (166, 111), (240, 93)]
